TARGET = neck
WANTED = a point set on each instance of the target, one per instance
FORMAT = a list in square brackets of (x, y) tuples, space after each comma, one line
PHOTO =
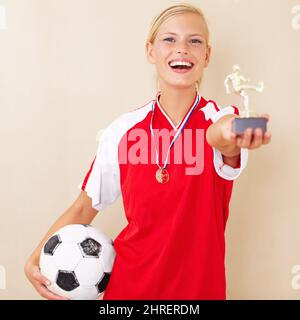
[(176, 102)]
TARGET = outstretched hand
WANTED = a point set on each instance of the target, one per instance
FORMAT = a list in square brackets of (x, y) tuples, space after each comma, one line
[(250, 139)]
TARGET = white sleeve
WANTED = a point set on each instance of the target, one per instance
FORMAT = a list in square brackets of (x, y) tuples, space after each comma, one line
[(102, 182), (225, 171)]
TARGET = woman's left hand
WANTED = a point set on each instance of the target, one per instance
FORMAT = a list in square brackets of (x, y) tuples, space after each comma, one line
[(251, 139)]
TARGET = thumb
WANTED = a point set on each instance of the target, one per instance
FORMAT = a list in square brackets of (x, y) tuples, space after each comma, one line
[(36, 273)]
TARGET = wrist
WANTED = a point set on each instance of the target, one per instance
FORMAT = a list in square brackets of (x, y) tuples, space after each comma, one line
[(231, 152), (232, 161)]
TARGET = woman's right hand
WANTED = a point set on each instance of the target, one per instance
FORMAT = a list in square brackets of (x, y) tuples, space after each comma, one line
[(80, 212), (40, 282)]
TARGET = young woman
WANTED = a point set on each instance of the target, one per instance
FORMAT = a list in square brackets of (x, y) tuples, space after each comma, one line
[(173, 246)]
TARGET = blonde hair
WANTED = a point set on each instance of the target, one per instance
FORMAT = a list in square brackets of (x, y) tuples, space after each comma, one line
[(171, 12)]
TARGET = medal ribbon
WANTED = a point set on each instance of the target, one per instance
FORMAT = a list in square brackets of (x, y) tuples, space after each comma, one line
[(177, 133)]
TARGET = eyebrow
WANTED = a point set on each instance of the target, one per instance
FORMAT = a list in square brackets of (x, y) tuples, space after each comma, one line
[(191, 35)]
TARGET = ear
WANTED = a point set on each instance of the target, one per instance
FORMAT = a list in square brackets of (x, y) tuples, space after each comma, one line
[(149, 52), (207, 57)]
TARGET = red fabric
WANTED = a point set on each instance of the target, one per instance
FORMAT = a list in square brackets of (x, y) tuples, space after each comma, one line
[(174, 245), (87, 176)]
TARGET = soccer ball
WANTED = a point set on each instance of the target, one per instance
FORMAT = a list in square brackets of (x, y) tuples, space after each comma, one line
[(78, 261)]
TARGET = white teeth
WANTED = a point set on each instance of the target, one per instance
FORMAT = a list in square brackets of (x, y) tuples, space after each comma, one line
[(180, 63)]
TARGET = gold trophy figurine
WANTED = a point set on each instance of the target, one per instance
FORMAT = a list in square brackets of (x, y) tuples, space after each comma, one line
[(240, 85)]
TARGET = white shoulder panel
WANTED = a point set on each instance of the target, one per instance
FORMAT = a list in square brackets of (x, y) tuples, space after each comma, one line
[(103, 183)]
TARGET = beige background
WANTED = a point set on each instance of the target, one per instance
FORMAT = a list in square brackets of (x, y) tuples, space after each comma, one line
[(69, 67)]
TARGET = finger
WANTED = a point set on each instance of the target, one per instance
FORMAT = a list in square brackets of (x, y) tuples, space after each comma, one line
[(245, 140), (267, 138), (257, 139), (39, 277), (45, 293)]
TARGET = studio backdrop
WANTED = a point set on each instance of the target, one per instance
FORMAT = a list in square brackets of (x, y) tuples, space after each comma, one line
[(70, 67)]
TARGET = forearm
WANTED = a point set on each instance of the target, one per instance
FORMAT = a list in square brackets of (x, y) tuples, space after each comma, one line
[(76, 214)]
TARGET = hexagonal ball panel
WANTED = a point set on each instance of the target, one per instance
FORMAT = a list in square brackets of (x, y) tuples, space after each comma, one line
[(52, 244), (67, 280), (67, 256), (108, 255), (90, 248), (89, 271)]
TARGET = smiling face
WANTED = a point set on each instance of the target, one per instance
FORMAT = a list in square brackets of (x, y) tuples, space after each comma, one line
[(180, 51)]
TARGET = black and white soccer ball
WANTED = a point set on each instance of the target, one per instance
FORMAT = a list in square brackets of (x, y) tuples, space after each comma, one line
[(78, 261)]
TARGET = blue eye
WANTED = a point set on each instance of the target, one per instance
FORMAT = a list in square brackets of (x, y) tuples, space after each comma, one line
[(168, 39), (197, 40)]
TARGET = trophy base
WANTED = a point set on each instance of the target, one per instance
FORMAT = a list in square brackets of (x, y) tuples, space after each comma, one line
[(241, 124)]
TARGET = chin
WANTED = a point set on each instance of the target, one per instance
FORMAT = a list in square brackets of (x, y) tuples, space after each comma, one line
[(181, 86)]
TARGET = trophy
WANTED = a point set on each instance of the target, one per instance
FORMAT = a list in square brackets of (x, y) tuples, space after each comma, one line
[(239, 85)]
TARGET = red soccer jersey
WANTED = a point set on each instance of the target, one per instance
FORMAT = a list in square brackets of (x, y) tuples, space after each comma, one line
[(174, 244)]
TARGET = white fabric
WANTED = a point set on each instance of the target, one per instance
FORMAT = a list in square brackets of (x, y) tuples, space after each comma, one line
[(224, 170), (103, 184)]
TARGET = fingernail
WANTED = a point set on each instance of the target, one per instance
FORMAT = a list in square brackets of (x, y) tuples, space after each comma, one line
[(47, 283)]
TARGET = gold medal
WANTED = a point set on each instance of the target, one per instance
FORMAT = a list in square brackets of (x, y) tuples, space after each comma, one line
[(162, 175)]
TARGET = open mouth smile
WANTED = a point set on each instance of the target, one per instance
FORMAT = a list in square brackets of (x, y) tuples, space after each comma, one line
[(181, 66)]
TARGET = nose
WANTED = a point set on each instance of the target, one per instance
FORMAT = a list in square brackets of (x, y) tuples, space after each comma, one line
[(182, 48), (184, 51)]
